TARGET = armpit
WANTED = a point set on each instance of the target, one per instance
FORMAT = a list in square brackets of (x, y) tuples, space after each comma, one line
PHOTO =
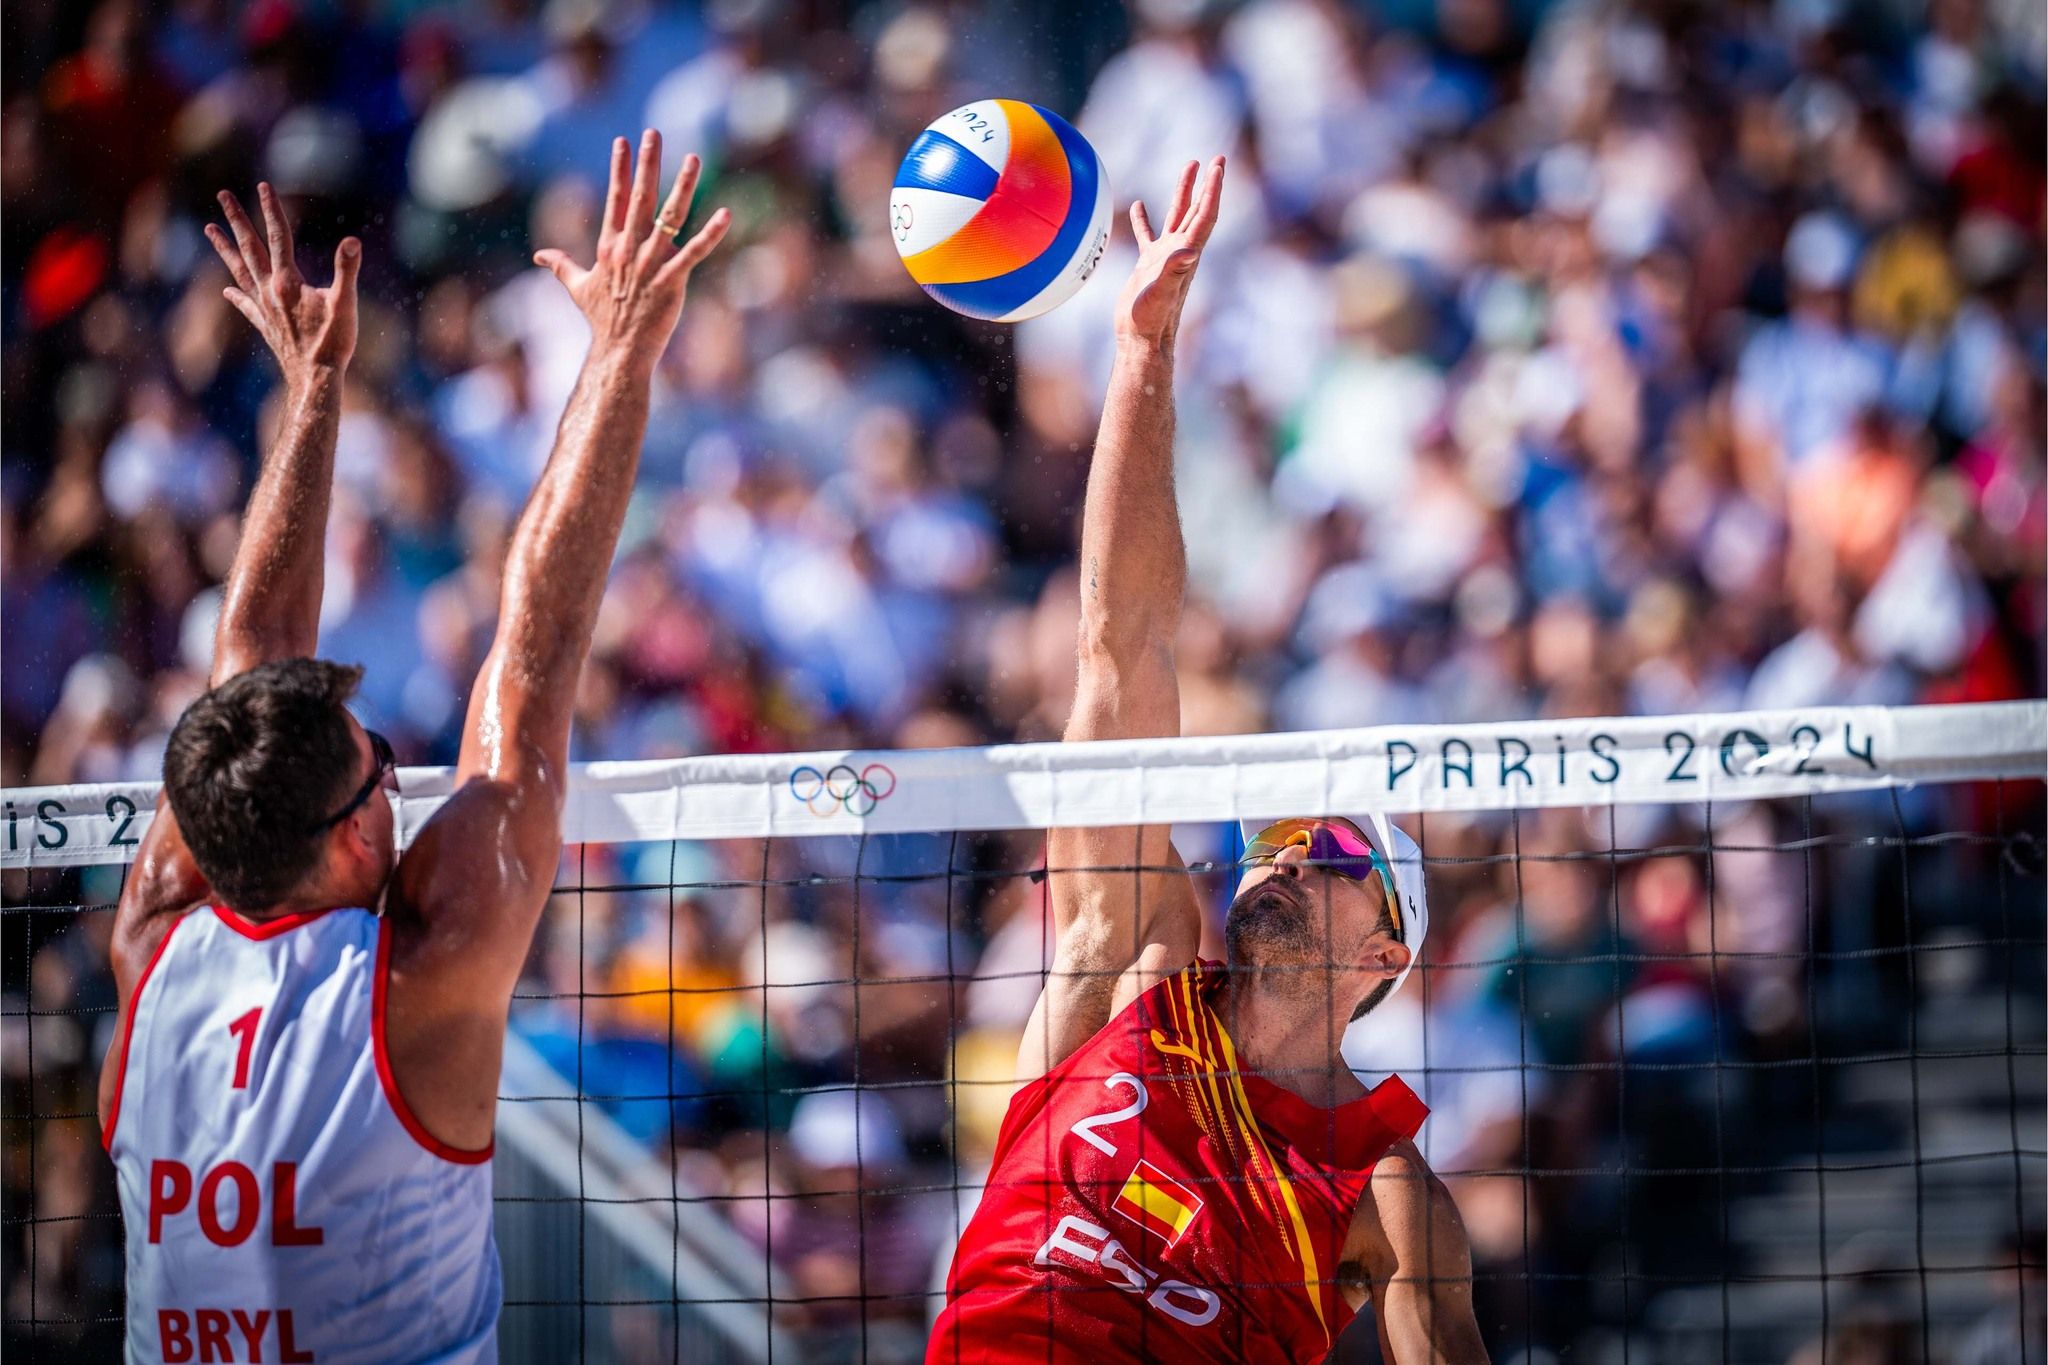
[(1353, 1283)]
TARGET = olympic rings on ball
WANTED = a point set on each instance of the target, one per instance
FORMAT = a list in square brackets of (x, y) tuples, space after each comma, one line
[(841, 788)]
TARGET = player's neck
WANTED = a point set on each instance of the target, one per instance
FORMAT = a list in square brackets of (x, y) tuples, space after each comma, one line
[(1286, 1030), (325, 891)]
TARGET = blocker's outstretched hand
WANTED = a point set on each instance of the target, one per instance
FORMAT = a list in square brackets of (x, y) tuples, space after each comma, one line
[(633, 293), (307, 329), (1149, 309)]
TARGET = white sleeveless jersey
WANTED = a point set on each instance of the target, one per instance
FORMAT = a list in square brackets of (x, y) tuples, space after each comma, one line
[(281, 1202)]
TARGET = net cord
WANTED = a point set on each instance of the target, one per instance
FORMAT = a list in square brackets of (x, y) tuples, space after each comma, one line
[(1661, 760)]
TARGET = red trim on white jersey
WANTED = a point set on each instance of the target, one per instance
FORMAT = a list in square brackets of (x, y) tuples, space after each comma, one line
[(127, 1030), (262, 929), (464, 1156)]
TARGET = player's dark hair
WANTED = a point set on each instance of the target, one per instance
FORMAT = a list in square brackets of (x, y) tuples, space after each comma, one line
[(1390, 923), (254, 766)]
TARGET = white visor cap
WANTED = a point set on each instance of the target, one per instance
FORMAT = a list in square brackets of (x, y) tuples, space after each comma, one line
[(1404, 858)]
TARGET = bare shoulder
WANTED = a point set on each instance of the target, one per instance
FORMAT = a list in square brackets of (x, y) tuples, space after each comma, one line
[(1406, 1214), (460, 912), (1407, 1251), (1402, 1172), (162, 885), (492, 841), (466, 896)]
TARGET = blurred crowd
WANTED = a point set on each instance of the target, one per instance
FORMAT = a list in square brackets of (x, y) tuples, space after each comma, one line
[(1549, 359)]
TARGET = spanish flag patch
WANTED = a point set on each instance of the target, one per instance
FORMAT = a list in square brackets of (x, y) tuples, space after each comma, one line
[(1158, 1203)]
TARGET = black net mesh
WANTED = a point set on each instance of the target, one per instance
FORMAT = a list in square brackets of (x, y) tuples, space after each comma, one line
[(1738, 1083)]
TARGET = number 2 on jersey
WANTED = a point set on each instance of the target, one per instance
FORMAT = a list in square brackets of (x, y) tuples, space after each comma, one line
[(244, 1028), (1084, 1129)]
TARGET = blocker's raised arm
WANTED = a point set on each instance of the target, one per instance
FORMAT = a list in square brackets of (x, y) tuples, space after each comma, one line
[(271, 607), (1120, 929), (481, 869)]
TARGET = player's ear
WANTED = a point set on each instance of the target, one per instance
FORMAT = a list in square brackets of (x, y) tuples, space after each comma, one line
[(359, 834), (1387, 956)]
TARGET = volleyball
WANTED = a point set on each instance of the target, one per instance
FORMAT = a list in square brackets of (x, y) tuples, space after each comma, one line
[(1000, 210)]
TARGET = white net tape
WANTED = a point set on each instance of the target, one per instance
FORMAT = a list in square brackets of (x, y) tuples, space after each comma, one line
[(1727, 757)]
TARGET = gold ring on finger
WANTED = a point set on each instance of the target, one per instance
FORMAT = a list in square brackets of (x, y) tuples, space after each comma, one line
[(672, 231)]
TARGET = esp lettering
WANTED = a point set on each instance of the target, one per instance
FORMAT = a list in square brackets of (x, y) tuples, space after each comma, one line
[(1090, 1244)]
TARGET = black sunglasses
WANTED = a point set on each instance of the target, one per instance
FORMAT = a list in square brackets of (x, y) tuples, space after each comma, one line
[(380, 749)]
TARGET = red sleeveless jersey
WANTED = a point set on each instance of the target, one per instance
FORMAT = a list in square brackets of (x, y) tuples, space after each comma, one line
[(1149, 1201)]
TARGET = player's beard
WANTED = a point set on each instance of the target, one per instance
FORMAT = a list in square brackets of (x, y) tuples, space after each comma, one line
[(1273, 920)]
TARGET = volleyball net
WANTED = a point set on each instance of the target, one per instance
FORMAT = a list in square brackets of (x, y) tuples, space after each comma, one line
[(1731, 1027)]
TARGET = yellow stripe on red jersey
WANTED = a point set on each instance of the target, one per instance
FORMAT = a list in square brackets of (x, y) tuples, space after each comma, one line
[(1147, 1201)]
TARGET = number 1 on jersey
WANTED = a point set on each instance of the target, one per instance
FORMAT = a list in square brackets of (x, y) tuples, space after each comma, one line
[(245, 1029)]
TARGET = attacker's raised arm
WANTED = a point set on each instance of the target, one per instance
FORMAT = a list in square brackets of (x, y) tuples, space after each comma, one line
[(1119, 929)]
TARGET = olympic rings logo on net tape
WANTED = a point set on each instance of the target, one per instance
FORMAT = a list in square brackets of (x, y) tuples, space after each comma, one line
[(841, 789)]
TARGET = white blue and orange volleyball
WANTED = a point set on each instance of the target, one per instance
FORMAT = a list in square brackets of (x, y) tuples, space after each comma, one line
[(1000, 210)]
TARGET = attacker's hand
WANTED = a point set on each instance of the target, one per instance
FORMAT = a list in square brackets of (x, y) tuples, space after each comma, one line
[(1149, 309)]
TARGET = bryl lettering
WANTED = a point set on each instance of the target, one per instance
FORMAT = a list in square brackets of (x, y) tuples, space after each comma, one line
[(1176, 1298), (213, 1336)]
